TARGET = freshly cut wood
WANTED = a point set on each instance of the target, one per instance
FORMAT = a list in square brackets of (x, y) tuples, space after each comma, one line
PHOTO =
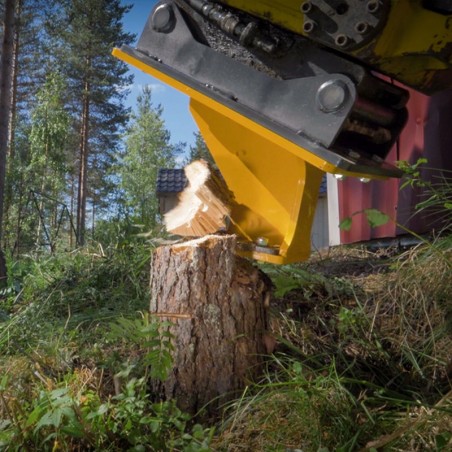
[(216, 303), (204, 205)]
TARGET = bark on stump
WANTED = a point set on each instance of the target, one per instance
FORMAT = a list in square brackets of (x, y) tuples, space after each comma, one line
[(216, 304)]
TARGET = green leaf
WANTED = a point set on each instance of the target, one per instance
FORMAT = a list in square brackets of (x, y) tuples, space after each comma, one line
[(51, 418), (442, 440), (421, 161), (75, 430), (57, 393), (297, 368), (4, 383), (36, 414), (376, 217), (284, 284), (346, 224)]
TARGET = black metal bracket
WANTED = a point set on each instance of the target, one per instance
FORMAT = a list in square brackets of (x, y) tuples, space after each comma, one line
[(318, 101)]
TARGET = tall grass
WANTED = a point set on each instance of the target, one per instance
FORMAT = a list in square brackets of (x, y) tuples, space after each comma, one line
[(76, 291), (363, 359)]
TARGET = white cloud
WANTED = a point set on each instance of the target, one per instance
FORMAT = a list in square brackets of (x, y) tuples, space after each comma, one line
[(136, 88), (157, 88)]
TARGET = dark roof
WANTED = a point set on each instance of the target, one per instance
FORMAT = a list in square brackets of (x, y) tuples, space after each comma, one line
[(170, 180), (323, 186), (174, 181)]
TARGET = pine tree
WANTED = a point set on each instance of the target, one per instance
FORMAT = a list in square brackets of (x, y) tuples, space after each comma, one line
[(96, 80), (31, 63), (148, 148), (6, 82), (200, 151)]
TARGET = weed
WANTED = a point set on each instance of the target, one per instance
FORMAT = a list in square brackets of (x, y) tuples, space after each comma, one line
[(389, 345), (152, 338), (435, 187)]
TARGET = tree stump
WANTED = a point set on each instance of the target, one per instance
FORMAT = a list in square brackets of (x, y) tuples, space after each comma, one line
[(216, 303)]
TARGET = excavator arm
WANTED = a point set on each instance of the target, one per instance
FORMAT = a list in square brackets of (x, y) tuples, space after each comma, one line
[(280, 102)]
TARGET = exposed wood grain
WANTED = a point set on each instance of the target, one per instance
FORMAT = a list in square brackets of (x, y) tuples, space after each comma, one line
[(204, 205)]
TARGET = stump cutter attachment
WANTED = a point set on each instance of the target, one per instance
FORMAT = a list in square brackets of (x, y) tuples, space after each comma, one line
[(273, 134)]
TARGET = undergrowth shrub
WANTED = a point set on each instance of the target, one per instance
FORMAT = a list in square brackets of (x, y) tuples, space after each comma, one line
[(415, 314), (70, 414), (76, 357)]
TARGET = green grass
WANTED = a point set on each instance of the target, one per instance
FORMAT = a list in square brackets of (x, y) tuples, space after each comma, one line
[(362, 357), (77, 353)]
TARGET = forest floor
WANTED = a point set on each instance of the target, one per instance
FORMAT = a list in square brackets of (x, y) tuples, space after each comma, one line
[(364, 355), (362, 360)]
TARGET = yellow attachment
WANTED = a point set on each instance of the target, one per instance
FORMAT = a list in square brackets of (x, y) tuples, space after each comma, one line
[(275, 182), (276, 192)]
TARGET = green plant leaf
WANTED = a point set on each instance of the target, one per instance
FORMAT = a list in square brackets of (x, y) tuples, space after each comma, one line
[(51, 418), (346, 224), (284, 284), (442, 440), (376, 217)]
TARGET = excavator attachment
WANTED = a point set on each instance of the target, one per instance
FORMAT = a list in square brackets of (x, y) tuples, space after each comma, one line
[(275, 130)]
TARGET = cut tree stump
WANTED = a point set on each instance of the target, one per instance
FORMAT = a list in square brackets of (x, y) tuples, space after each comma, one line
[(204, 205), (216, 303)]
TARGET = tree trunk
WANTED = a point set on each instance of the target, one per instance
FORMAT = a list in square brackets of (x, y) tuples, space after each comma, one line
[(17, 243), (71, 213), (10, 153), (40, 205), (6, 73), (14, 74), (83, 170), (216, 302)]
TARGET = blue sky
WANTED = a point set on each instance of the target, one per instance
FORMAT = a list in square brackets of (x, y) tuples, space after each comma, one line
[(177, 117)]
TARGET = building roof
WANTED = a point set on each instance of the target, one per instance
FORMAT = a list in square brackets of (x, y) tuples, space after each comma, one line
[(170, 180), (323, 187), (174, 181)]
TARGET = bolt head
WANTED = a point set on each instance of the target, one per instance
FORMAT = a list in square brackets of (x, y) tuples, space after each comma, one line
[(306, 7), (341, 40), (361, 27), (162, 19), (364, 180), (308, 26), (261, 241), (373, 5), (332, 95)]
